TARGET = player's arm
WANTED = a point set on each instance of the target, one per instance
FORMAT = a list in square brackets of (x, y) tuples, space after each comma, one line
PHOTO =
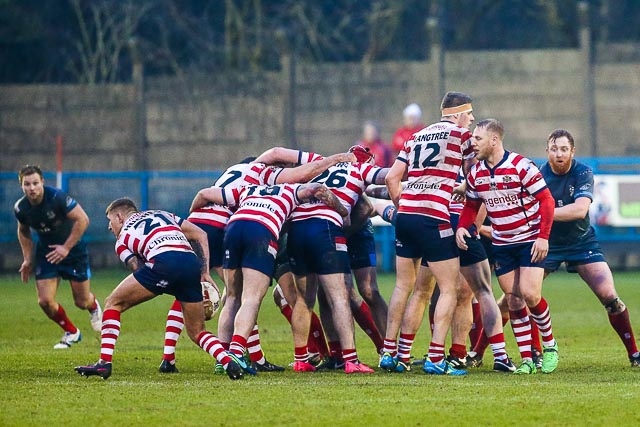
[(198, 239), (133, 263), (467, 219), (360, 214), (310, 170), (319, 191), (573, 211), (80, 221), (377, 192), (26, 244), (206, 196), (393, 180), (278, 155), (540, 247)]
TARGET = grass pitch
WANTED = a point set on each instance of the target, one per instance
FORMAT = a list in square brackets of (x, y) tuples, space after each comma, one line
[(593, 385)]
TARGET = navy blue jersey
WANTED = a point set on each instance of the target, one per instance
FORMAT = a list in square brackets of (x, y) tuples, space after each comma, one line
[(49, 218), (578, 182)]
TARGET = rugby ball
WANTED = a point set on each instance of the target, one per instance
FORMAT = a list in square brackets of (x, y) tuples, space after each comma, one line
[(210, 300)]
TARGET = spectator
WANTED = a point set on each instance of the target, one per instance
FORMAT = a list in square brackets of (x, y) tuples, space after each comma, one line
[(371, 140), (412, 123)]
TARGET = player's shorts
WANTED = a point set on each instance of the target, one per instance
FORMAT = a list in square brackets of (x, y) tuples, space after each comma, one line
[(510, 257), (174, 273), (475, 252), (317, 246), (419, 236), (215, 238), (586, 252), (361, 247), (282, 258), (74, 267), (249, 244)]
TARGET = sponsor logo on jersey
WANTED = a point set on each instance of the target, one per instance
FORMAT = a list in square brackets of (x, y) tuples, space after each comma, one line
[(424, 185), (510, 199), (507, 179), (51, 214)]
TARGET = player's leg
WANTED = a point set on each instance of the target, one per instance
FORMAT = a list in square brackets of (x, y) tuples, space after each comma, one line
[(413, 315), (362, 314), (335, 360), (172, 330), (598, 277), (85, 299), (46, 289), (233, 286), (460, 325), (307, 288)]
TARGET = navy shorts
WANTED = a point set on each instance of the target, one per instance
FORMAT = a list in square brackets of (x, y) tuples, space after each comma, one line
[(586, 252), (361, 247), (215, 238), (249, 244), (511, 257), (74, 267), (282, 258), (419, 236), (317, 246), (174, 273), (475, 252)]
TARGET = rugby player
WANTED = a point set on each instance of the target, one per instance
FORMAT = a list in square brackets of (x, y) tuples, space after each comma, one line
[(573, 240), (520, 208), (60, 222), (155, 246)]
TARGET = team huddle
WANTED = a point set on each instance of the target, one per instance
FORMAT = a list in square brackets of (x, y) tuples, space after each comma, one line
[(303, 220)]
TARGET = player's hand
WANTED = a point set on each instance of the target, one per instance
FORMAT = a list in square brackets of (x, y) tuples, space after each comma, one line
[(461, 234), (206, 277), (539, 250), (459, 192), (57, 254), (25, 271), (346, 158)]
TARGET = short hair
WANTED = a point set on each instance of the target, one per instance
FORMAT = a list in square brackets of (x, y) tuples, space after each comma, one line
[(247, 160), (559, 133), (123, 203), (27, 170), (455, 99), (492, 125)]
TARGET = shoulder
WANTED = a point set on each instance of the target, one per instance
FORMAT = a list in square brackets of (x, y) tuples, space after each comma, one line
[(20, 206), (580, 169)]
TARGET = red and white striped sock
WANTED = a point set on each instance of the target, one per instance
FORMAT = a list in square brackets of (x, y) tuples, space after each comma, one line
[(212, 345), (405, 343), (172, 330), (541, 315), (109, 334), (255, 349), (301, 354), (498, 347), (521, 326), (436, 352), (350, 355), (390, 346), (238, 345), (60, 317)]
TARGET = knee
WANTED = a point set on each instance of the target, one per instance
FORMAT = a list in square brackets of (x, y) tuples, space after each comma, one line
[(615, 306), (514, 302), (48, 305), (82, 303)]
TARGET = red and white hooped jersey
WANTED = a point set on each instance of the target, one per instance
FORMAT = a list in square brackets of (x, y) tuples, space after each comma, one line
[(149, 233), (456, 206), (508, 192), (270, 205), (434, 157), (236, 176), (347, 181)]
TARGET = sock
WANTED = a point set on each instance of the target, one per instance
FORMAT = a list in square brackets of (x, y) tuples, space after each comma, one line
[(535, 337), (540, 314), (255, 349), (335, 350), (301, 354), (60, 317), (622, 326), (172, 330), (287, 312), (238, 345), (350, 355), (436, 352), (316, 340), (483, 341), (94, 305), (364, 319), (521, 325), (405, 343), (476, 326), (458, 350), (498, 347), (109, 334), (212, 345), (390, 346), (224, 345)]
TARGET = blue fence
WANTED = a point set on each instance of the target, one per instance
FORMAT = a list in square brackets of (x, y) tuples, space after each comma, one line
[(174, 191)]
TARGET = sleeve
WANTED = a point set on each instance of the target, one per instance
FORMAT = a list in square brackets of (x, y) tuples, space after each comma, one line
[(465, 144), (64, 202), (305, 157), (369, 173), (584, 184), (471, 193), (403, 155), (531, 177), (123, 252), (18, 213), (547, 206), (270, 174), (176, 218), (231, 196)]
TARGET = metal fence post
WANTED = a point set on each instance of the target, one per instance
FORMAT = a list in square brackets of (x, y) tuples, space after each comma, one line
[(588, 67)]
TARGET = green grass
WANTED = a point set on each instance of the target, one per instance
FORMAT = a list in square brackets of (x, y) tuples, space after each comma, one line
[(594, 384)]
